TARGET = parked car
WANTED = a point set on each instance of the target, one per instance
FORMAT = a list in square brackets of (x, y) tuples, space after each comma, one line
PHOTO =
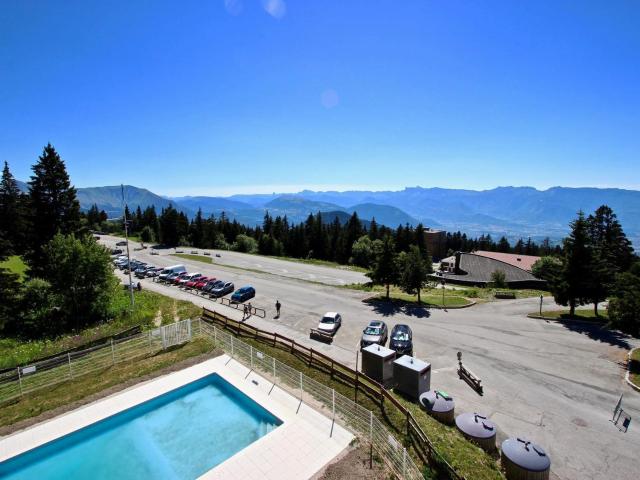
[(153, 272), (169, 270), (401, 340), (211, 284), (121, 243), (194, 281), (243, 294), (376, 332), (187, 278), (202, 281), (179, 278), (330, 323), (116, 251), (172, 277), (222, 290)]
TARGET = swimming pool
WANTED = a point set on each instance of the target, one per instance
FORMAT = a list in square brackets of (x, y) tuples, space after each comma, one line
[(181, 434)]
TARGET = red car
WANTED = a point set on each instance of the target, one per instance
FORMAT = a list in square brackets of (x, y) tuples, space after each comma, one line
[(176, 280), (202, 281), (193, 283)]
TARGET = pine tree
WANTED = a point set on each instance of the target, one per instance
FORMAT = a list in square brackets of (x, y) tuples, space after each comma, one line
[(414, 271), (572, 286), (53, 206), (612, 253), (12, 226), (385, 268)]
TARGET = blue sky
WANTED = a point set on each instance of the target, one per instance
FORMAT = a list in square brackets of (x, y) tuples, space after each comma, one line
[(219, 97)]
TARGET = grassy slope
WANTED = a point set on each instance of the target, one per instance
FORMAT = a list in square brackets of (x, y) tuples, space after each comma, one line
[(15, 264), (197, 258), (71, 391), (149, 308), (470, 460)]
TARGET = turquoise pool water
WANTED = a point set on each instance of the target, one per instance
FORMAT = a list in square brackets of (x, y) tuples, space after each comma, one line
[(181, 434)]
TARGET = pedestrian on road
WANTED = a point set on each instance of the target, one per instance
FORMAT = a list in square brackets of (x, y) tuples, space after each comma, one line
[(248, 309), (244, 312), (278, 305)]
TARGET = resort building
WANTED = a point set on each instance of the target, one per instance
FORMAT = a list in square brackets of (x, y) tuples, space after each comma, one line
[(476, 269)]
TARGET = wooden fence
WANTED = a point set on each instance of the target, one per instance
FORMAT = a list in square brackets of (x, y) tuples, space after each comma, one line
[(423, 447)]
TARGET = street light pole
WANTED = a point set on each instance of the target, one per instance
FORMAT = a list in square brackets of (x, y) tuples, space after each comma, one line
[(541, 305), (126, 236)]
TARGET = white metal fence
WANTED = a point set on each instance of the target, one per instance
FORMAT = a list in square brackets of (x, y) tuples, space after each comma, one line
[(345, 412), (29, 378), (350, 415)]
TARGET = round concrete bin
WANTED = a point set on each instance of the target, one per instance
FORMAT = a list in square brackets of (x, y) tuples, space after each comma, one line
[(439, 405), (479, 429), (523, 460)]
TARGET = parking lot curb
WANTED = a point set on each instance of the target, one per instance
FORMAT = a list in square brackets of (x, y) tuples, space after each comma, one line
[(381, 299), (627, 376), (562, 320)]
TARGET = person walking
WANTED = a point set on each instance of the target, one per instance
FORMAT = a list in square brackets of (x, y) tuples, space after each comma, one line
[(278, 305)]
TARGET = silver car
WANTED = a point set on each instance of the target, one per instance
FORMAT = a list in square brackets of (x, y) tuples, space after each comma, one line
[(376, 332), (330, 323)]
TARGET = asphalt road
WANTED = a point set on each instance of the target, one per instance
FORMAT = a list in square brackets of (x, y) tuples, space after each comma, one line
[(553, 383)]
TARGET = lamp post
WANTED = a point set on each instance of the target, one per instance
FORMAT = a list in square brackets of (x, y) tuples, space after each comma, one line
[(541, 305), (126, 236)]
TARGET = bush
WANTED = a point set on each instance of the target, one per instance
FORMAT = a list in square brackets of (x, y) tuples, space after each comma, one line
[(498, 279), (40, 307), (245, 244)]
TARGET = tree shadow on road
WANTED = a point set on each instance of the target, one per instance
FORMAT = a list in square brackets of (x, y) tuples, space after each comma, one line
[(390, 308), (599, 333)]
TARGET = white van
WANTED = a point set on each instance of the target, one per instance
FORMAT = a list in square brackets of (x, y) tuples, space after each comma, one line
[(169, 270)]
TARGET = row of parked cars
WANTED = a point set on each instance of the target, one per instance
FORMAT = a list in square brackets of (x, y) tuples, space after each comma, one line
[(214, 287), (377, 332)]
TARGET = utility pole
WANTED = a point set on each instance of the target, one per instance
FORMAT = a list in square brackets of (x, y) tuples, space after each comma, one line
[(126, 236)]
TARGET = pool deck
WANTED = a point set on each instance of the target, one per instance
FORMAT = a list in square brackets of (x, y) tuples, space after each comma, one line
[(297, 449)]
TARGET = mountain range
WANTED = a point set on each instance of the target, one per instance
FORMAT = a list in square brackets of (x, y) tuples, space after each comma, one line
[(511, 211)]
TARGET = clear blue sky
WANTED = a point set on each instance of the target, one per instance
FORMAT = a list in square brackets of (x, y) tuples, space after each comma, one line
[(217, 97)]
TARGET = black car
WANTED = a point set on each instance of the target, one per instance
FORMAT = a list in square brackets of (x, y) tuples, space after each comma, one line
[(121, 243), (226, 288), (401, 340)]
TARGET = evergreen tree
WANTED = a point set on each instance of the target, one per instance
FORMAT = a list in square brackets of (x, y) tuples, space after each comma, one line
[(93, 216), (385, 267), (414, 271), (624, 306), (572, 286), (503, 245), (12, 226), (53, 206), (612, 253), (169, 235)]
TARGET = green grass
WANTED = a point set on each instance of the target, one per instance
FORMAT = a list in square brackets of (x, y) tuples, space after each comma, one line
[(582, 314), (15, 265), (467, 458), (197, 258), (634, 367), (452, 298), (150, 308), (322, 263), (67, 393)]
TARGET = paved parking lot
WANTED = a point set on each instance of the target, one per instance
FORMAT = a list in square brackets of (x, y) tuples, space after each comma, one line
[(555, 384)]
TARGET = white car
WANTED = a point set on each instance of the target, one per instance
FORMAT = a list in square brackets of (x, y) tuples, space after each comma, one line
[(330, 323)]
